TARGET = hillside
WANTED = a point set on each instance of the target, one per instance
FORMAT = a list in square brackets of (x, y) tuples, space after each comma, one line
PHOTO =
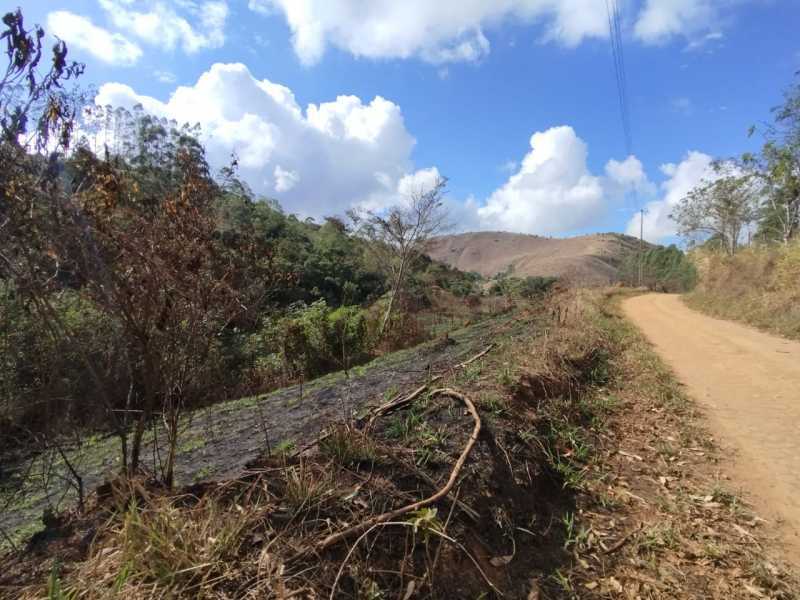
[(760, 286), (589, 259)]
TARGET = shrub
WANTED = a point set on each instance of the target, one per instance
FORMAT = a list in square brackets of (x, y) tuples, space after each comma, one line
[(528, 287)]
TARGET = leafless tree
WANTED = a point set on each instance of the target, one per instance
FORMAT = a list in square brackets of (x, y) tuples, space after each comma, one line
[(400, 234)]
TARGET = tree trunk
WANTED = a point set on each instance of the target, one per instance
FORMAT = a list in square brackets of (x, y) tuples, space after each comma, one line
[(171, 423), (398, 282), (144, 416)]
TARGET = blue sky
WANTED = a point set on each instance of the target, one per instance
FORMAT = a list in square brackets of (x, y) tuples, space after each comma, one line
[(513, 100)]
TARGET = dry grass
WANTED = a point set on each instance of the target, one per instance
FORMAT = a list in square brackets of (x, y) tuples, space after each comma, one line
[(662, 491), (173, 546), (759, 286), (590, 479)]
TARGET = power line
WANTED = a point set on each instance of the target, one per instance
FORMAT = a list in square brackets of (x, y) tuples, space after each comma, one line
[(615, 35)]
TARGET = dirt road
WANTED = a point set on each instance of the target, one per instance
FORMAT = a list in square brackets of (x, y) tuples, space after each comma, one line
[(748, 382)]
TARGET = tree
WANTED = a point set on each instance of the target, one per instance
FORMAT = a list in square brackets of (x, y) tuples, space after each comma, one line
[(722, 207), (35, 107), (133, 234), (780, 213), (665, 269), (158, 267), (780, 165), (400, 234)]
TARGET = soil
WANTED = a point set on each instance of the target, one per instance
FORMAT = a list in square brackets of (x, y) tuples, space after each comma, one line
[(747, 383), (591, 478), (219, 442)]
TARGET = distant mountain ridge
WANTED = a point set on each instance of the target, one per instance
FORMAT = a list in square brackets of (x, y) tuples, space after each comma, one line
[(584, 260)]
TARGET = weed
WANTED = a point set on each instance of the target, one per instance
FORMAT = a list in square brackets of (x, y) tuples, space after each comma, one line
[(348, 446), (600, 373), (284, 447), (471, 373), (55, 590), (574, 536), (505, 376), (714, 551), (368, 589), (493, 404), (607, 501), (191, 444), (665, 450), (605, 403), (571, 476), (175, 546), (569, 435), (429, 442), (401, 426), (203, 474), (390, 393), (305, 488), (563, 581), (425, 520), (661, 536)]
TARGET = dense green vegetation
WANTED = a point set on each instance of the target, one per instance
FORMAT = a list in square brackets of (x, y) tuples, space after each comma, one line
[(529, 287), (135, 283), (660, 269)]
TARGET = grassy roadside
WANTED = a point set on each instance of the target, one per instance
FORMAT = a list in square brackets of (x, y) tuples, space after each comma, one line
[(687, 531), (759, 286), (590, 478)]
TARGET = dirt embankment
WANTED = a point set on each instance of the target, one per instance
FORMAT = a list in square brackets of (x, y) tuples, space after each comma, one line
[(759, 286)]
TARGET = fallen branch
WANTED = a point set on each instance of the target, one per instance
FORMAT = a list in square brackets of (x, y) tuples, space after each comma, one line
[(420, 474), (404, 400), (397, 402), (440, 534), (394, 514)]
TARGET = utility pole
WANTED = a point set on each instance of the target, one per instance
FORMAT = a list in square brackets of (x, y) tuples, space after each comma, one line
[(641, 243)]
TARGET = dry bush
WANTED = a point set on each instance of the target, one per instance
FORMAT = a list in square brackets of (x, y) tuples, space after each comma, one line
[(214, 545)]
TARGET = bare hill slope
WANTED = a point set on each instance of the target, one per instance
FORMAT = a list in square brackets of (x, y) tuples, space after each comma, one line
[(587, 260)]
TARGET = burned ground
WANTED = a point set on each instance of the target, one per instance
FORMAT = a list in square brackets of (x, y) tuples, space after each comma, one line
[(591, 477)]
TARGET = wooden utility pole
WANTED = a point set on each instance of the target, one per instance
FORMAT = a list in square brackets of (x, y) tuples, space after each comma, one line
[(641, 244)]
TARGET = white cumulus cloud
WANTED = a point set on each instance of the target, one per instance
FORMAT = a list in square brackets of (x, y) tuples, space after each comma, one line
[(317, 161), (80, 32), (444, 31), (202, 25), (628, 175), (554, 191), (438, 31), (683, 177), (661, 20), (285, 180)]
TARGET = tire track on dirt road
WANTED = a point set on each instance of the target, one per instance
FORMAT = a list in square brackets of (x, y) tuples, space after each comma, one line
[(748, 384)]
